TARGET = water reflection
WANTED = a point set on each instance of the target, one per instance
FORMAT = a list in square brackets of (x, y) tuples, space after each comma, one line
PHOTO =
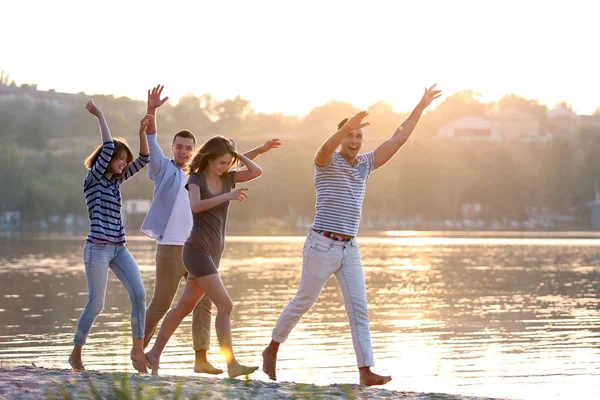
[(512, 317)]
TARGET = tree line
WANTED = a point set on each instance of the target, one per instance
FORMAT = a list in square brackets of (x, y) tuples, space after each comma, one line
[(45, 142)]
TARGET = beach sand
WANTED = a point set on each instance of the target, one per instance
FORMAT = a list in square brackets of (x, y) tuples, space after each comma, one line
[(31, 382)]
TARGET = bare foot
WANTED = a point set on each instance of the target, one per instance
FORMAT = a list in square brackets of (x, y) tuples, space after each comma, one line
[(76, 363), (369, 378), (204, 367), (269, 362), (238, 369), (154, 360), (139, 362)]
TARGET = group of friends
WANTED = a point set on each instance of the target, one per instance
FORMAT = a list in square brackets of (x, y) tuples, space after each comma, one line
[(187, 218)]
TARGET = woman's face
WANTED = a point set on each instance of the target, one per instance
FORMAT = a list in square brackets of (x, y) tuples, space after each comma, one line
[(118, 164), (220, 165)]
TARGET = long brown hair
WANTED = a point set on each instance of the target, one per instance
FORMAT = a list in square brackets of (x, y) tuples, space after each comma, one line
[(216, 146), (120, 144)]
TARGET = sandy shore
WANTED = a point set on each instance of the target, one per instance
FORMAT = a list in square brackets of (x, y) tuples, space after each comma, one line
[(30, 382)]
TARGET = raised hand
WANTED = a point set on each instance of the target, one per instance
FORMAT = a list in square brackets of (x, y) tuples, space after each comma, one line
[(154, 100), (238, 194), (429, 96), (356, 121), (270, 145), (144, 123), (93, 109)]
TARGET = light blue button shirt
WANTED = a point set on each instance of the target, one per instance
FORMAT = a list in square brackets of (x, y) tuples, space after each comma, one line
[(167, 181)]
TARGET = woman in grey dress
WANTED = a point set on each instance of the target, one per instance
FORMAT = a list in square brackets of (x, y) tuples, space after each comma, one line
[(210, 186)]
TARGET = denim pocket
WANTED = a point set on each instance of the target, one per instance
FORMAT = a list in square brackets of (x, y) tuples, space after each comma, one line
[(320, 246), (321, 264), (322, 259)]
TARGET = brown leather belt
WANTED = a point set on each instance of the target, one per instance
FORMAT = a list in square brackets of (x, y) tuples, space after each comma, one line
[(332, 236)]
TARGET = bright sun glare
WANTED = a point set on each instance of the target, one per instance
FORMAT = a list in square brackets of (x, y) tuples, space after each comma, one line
[(290, 57)]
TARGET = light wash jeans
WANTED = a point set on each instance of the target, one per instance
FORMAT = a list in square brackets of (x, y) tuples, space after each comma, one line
[(98, 259), (321, 258)]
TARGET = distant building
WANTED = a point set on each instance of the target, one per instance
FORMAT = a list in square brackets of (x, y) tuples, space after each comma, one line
[(469, 128), (562, 122), (516, 125), (508, 125), (134, 211), (471, 210), (589, 122), (57, 100), (595, 212), (10, 220)]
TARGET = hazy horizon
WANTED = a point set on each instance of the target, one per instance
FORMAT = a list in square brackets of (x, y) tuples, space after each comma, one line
[(174, 101)]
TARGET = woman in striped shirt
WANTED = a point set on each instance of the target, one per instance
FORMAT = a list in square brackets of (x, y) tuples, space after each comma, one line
[(109, 166)]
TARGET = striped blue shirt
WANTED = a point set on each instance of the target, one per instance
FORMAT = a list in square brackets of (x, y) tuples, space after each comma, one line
[(103, 197), (340, 191)]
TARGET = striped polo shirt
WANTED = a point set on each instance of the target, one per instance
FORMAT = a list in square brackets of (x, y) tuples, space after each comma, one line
[(340, 191), (103, 197)]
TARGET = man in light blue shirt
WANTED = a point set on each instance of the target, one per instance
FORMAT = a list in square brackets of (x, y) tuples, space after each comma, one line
[(169, 221)]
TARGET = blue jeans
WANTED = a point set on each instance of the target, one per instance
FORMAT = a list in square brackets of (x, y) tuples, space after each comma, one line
[(98, 258)]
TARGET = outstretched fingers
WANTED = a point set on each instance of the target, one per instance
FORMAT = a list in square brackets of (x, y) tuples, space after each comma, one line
[(274, 143), (356, 121), (361, 115), (430, 94)]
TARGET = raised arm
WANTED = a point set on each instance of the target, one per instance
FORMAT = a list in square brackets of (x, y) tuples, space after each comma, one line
[(268, 145), (94, 110), (154, 102), (325, 153), (158, 161), (101, 164), (199, 205), (144, 157), (253, 171), (387, 149), (142, 134)]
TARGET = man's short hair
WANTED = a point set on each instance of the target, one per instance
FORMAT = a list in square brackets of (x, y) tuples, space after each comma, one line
[(185, 134), (342, 123)]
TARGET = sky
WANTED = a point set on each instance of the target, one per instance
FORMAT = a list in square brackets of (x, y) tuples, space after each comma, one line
[(290, 56)]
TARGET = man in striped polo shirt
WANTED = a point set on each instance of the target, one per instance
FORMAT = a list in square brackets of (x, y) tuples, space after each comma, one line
[(330, 248)]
